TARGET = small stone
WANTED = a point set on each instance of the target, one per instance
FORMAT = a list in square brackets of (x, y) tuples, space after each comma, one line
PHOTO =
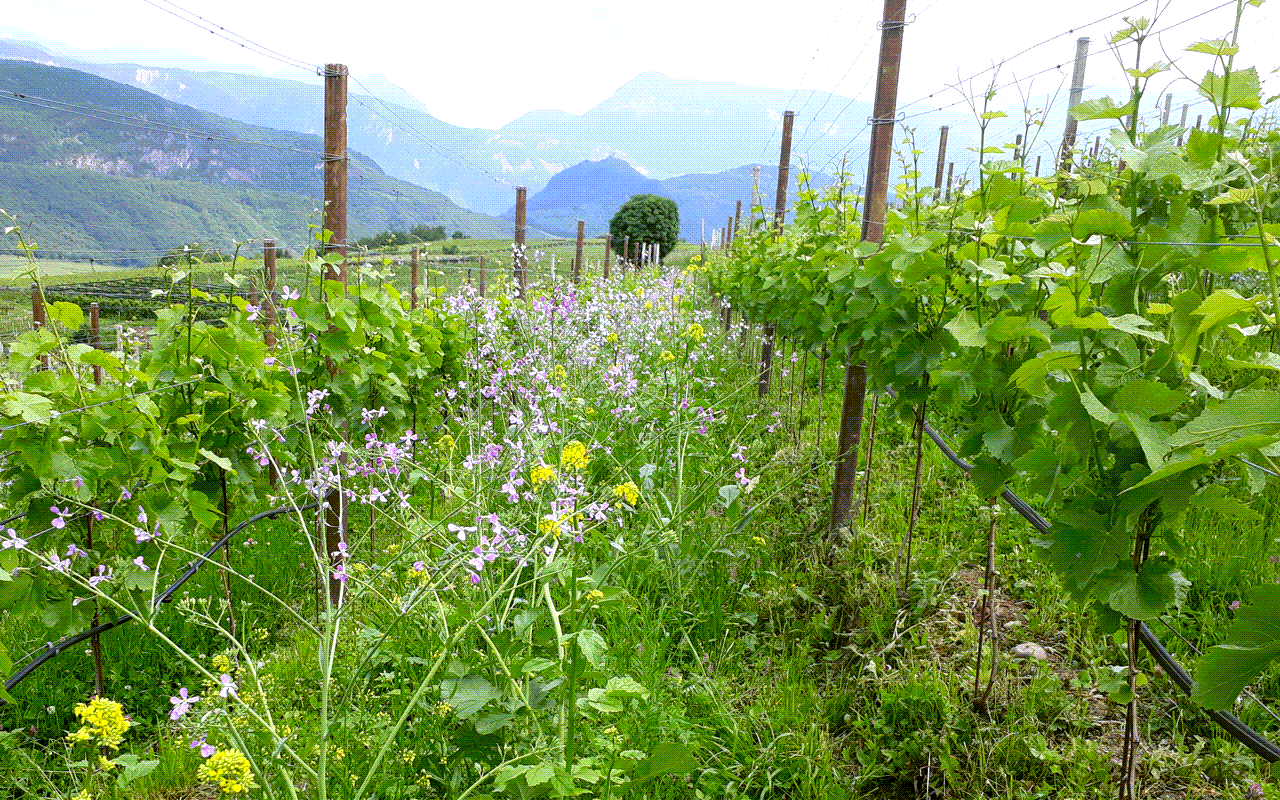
[(1031, 650), (1013, 623)]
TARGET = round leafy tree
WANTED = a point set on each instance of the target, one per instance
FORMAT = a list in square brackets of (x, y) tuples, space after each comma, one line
[(646, 218)]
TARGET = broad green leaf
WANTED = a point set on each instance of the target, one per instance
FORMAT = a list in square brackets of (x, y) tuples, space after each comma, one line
[(668, 758), (542, 773), (593, 647), (1143, 594), (1253, 641), (1147, 399), (625, 686), (1101, 222), (1254, 413), (68, 315), (1152, 438), (30, 407), (1234, 195), (1221, 306), (1095, 407), (1030, 376), (133, 768), (1101, 108), (1244, 90), (1135, 325), (966, 330), (1264, 360), (1213, 47), (467, 695)]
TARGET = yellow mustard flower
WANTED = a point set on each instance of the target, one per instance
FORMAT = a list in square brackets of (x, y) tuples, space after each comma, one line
[(629, 493), (541, 474), (695, 332), (667, 355), (103, 721), (611, 338), (229, 770), (574, 456)]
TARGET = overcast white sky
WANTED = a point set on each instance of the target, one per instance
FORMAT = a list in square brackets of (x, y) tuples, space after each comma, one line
[(484, 64)]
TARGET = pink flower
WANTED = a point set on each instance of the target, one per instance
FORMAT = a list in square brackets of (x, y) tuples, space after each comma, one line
[(228, 686), (182, 703)]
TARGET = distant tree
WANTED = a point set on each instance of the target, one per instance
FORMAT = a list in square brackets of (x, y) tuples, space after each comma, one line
[(424, 233), (647, 218), (460, 235)]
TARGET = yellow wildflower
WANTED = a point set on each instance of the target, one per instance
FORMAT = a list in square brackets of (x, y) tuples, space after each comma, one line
[(591, 411), (667, 355), (104, 720), (443, 709), (629, 493), (445, 443), (221, 663), (695, 332), (558, 372), (594, 596), (556, 525), (229, 770), (541, 474), (647, 305), (574, 456), (611, 338)]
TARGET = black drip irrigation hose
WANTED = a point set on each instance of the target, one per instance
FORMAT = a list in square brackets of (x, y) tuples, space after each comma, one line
[(1230, 723), (192, 568)]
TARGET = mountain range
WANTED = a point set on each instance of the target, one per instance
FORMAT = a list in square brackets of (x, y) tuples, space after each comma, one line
[(661, 126), (592, 191), (98, 166), (681, 138)]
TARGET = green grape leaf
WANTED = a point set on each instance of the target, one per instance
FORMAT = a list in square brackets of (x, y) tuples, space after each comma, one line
[(1264, 360), (1244, 90), (1213, 47), (1101, 108), (1143, 594), (1221, 306), (1147, 399), (1248, 414), (1102, 222), (1135, 325), (1096, 408), (967, 331), (68, 315), (1252, 642)]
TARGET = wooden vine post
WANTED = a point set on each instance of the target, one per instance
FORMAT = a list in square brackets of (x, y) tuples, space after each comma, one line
[(413, 278), (38, 319), (942, 160), (519, 261), (1073, 99), (608, 255), (779, 217), (844, 486), (577, 257), (335, 222)]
